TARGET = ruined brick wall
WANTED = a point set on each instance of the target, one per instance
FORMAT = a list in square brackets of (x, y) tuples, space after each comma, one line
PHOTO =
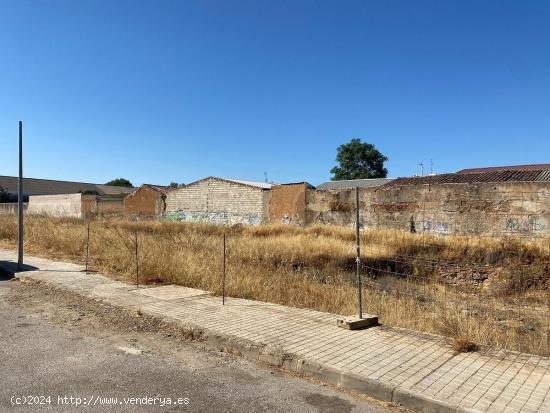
[(485, 208), (94, 205), (218, 201), (110, 206), (88, 205), (144, 202), (512, 208), (330, 207), (288, 204)]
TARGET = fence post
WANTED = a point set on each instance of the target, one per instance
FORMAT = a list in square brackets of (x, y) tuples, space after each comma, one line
[(548, 324), (358, 258), (223, 280), (87, 244), (137, 258)]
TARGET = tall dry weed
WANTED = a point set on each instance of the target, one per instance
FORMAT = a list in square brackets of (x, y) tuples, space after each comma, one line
[(313, 267)]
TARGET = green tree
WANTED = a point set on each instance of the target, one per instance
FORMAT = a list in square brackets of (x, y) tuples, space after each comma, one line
[(358, 160), (173, 185), (120, 182)]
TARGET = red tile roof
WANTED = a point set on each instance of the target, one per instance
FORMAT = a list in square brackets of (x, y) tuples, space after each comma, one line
[(532, 167), (466, 178)]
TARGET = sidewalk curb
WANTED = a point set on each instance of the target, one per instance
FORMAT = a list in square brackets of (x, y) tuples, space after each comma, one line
[(275, 357)]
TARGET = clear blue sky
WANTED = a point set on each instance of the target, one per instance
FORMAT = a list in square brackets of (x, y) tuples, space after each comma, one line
[(160, 91)]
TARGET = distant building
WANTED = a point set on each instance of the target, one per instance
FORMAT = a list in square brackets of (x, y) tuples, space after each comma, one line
[(353, 183), (33, 186)]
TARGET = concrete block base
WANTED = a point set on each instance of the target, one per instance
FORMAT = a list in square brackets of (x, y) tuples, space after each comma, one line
[(354, 323)]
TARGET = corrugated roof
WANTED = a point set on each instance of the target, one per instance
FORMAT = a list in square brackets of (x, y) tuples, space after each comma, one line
[(459, 178), (263, 185), (307, 184), (34, 186), (531, 167), (353, 183)]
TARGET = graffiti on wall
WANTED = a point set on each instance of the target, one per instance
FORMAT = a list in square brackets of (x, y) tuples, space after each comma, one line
[(222, 217), (436, 227), (529, 224)]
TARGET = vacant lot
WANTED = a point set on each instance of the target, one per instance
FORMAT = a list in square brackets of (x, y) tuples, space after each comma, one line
[(475, 290)]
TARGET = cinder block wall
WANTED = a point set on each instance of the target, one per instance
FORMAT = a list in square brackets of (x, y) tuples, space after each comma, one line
[(218, 201)]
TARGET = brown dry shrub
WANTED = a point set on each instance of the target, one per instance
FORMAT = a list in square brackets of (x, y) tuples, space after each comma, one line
[(463, 344)]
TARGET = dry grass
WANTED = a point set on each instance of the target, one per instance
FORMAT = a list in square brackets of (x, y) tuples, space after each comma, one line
[(313, 267)]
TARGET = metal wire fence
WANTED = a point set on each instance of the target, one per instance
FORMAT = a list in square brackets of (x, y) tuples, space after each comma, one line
[(453, 298), (501, 300)]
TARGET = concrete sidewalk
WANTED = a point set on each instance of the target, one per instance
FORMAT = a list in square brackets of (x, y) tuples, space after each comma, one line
[(414, 369)]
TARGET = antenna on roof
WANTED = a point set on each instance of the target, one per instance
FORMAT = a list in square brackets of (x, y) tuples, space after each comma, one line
[(432, 173), (265, 177)]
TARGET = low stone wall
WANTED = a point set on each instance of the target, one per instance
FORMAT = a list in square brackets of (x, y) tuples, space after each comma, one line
[(67, 205), (110, 206), (75, 205), (94, 205)]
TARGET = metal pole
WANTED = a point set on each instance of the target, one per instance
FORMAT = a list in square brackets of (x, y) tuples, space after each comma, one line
[(358, 258), (137, 258), (87, 244), (20, 201), (223, 283)]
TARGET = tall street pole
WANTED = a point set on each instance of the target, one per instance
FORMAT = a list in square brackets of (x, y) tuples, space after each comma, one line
[(20, 200)]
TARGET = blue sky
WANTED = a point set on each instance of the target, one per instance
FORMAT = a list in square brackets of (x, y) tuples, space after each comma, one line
[(161, 91)]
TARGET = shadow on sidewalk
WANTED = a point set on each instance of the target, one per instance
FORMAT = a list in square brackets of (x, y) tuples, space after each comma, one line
[(8, 268)]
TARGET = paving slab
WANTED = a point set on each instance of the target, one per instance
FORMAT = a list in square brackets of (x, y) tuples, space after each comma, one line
[(170, 292), (417, 370)]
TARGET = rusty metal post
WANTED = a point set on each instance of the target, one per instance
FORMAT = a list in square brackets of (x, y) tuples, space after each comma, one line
[(224, 267), (137, 257), (87, 244), (358, 257)]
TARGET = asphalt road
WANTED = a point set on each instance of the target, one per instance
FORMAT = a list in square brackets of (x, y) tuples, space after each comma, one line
[(45, 350)]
